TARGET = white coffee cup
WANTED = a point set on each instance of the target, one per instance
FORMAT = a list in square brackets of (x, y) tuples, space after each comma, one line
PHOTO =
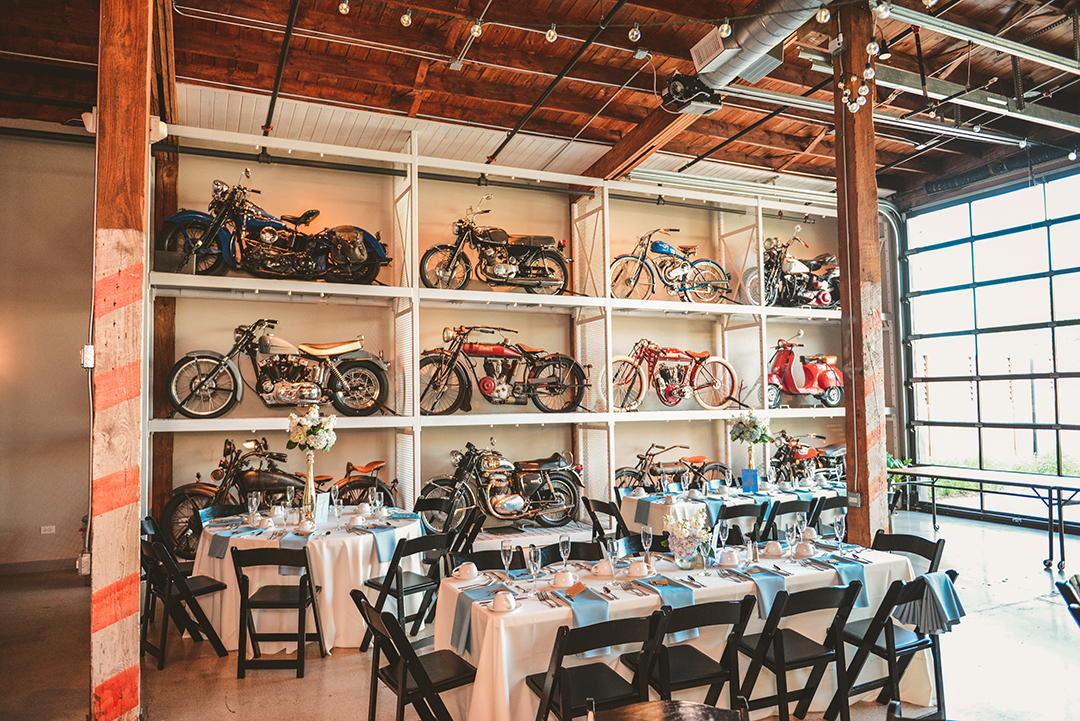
[(466, 571), (364, 509), (602, 568), (693, 493), (722, 491), (504, 601), (773, 548), (803, 548), (267, 523), (785, 486), (638, 492), (639, 568), (306, 526), (357, 521), (564, 578), (729, 557), (669, 500), (382, 512), (809, 534)]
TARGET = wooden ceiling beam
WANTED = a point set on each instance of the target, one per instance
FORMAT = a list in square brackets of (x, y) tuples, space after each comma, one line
[(754, 161), (163, 80), (653, 133)]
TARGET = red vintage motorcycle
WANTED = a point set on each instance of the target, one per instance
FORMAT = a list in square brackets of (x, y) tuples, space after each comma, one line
[(675, 374), (794, 460), (823, 379)]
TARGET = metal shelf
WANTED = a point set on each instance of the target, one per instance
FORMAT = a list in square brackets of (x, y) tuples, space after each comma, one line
[(244, 288), (268, 423), (511, 419), (480, 300)]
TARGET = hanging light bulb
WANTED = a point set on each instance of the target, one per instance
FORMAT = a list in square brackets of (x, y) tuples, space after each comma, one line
[(1023, 144), (872, 48), (635, 33), (853, 106), (725, 29), (476, 29), (823, 15), (864, 90), (932, 113), (868, 72), (406, 19), (861, 100), (343, 7), (1072, 155), (929, 3), (977, 129), (552, 34), (882, 11)]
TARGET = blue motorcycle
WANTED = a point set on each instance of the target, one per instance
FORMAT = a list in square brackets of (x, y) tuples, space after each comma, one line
[(238, 234), (700, 281)]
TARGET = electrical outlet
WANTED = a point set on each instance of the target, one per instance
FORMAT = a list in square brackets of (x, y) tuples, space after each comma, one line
[(854, 500), (82, 564), (48, 529)]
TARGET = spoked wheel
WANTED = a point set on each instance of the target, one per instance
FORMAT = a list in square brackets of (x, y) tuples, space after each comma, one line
[(203, 386), (550, 266), (711, 285), (358, 491), (627, 384), (566, 495), (832, 396), (178, 523), (716, 474), (772, 396), (632, 478), (713, 383), (436, 271), (442, 386), (563, 388), (361, 390), (443, 488), (631, 277), (183, 237), (750, 291)]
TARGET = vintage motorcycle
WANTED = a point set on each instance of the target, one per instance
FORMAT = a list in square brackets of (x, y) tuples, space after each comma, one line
[(823, 379), (794, 460), (545, 489), (675, 374), (236, 477), (207, 384), (794, 283), (554, 382), (239, 234), (687, 472), (699, 281), (532, 262)]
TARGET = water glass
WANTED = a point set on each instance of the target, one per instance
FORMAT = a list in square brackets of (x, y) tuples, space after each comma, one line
[(507, 551), (532, 558), (290, 494), (564, 549), (646, 542), (613, 551), (791, 533), (335, 498), (838, 525), (800, 521), (254, 500)]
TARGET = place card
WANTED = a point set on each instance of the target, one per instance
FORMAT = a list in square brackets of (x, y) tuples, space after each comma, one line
[(322, 508)]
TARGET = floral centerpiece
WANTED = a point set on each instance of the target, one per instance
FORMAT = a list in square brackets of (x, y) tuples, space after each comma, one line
[(311, 432), (684, 537), (751, 430)]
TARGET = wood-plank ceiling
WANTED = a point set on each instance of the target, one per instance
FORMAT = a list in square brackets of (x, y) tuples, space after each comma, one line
[(436, 69)]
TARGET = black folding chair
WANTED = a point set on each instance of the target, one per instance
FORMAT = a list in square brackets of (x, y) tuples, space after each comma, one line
[(1068, 591), (293, 596), (415, 680), (684, 666), (438, 508), (783, 649), (825, 504), (564, 690), (165, 581), (881, 636), (401, 584), (468, 531), (579, 551), (610, 508), (490, 560), (931, 551), (152, 532), (776, 511), (737, 536)]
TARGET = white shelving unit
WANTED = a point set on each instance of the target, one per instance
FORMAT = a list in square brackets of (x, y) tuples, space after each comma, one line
[(595, 325)]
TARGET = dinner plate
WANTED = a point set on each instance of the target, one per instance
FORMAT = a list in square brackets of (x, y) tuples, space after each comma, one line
[(301, 533), (508, 610)]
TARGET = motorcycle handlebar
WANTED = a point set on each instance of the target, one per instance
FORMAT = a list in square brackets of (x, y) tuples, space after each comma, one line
[(488, 328)]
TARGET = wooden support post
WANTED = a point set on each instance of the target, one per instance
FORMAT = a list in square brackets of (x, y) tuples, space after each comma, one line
[(161, 448), (860, 282), (123, 98)]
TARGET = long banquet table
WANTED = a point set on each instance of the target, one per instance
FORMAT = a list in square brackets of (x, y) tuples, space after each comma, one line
[(507, 647), (340, 562)]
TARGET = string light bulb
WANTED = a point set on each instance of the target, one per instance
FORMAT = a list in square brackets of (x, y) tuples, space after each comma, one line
[(635, 33), (552, 34), (872, 48), (406, 19), (861, 100), (1023, 144), (864, 90), (823, 15), (929, 3), (343, 7), (1072, 155), (868, 72), (853, 106), (476, 29), (882, 11), (725, 29)]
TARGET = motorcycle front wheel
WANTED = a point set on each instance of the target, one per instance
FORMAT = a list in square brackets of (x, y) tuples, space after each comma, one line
[(628, 384), (435, 270), (178, 522), (562, 395), (632, 478), (713, 383), (442, 488), (364, 390), (631, 277), (356, 491), (199, 388), (772, 396), (832, 396), (551, 266), (566, 494), (182, 237), (750, 289), (711, 284), (442, 386)]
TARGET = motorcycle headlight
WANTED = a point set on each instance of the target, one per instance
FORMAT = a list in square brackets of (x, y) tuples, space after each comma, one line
[(770, 243), (217, 474), (447, 335), (220, 189), (455, 458), (267, 235)]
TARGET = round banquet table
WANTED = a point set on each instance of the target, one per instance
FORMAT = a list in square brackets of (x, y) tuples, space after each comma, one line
[(668, 711), (339, 562)]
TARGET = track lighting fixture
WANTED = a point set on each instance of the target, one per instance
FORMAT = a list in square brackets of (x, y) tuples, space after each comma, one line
[(406, 19), (343, 7), (929, 3), (884, 53), (552, 34), (635, 33)]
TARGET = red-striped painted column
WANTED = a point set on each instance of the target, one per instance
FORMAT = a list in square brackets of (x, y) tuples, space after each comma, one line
[(119, 241), (860, 283)]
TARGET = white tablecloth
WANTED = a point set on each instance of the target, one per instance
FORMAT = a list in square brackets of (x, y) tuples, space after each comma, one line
[(339, 562), (506, 647)]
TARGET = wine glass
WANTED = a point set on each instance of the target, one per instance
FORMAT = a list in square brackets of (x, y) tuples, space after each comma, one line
[(564, 549), (374, 498), (838, 525), (335, 498), (800, 522), (507, 551), (613, 555), (646, 543), (254, 500), (532, 558), (791, 533)]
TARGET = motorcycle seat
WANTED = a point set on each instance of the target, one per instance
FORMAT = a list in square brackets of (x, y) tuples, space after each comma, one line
[(301, 219), (369, 468), (699, 356), (555, 460), (687, 248), (693, 459), (833, 450), (542, 241), (529, 349), (324, 350), (829, 359)]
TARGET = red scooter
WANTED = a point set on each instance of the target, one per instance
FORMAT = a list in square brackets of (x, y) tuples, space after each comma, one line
[(823, 379)]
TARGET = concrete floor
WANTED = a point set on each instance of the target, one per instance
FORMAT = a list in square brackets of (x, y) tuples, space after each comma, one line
[(1012, 657)]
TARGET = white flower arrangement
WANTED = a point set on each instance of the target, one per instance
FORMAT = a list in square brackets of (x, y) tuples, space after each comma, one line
[(685, 534), (750, 429), (311, 432)]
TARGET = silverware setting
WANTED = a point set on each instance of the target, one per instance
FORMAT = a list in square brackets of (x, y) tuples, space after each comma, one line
[(694, 582), (632, 588), (781, 571), (609, 593)]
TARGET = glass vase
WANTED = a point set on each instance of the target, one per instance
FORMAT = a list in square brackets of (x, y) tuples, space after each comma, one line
[(684, 551)]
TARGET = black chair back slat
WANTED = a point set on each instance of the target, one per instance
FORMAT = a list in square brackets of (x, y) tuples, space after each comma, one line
[(579, 551), (490, 559), (608, 633), (931, 551), (783, 508), (444, 506), (269, 556), (714, 613), (815, 599)]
